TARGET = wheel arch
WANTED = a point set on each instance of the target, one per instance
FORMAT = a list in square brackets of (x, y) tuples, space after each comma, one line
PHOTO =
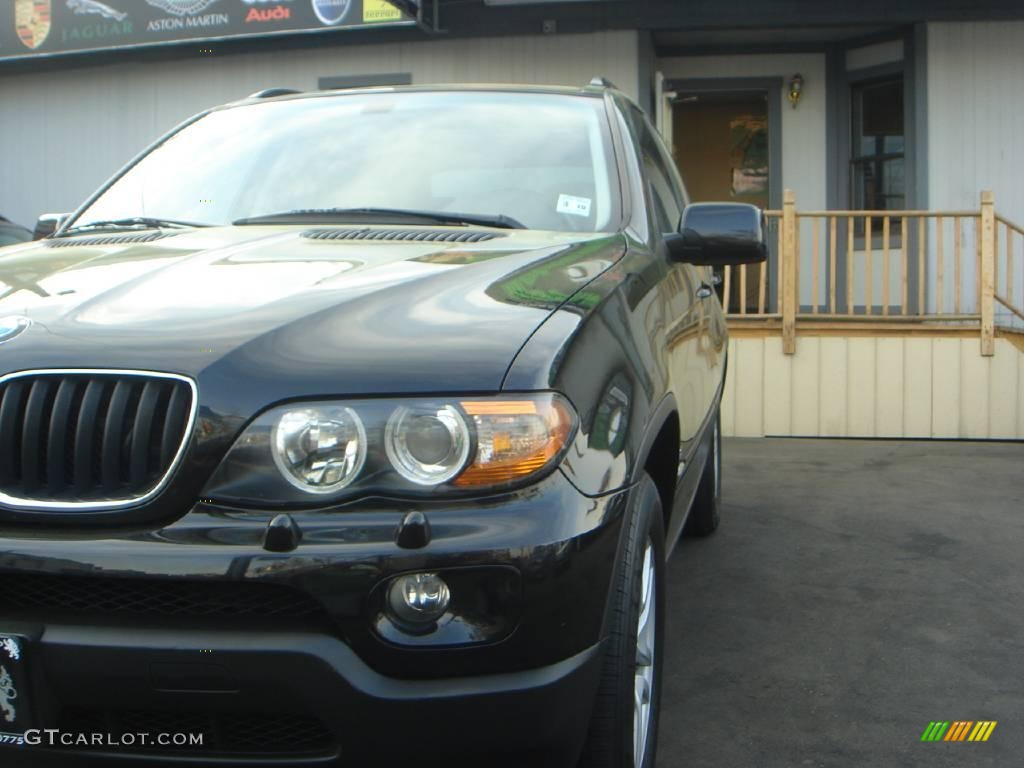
[(659, 453)]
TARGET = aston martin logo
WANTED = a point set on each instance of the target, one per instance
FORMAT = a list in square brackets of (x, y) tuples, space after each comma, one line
[(8, 693), (182, 7), (32, 20)]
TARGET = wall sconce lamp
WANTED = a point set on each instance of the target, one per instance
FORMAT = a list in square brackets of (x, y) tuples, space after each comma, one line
[(796, 89)]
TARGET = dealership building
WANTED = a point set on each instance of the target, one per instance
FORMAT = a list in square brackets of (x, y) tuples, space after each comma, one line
[(889, 130), (85, 85)]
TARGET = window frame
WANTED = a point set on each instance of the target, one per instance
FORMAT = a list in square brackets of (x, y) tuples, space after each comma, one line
[(853, 80), (642, 131), (838, 120), (856, 160)]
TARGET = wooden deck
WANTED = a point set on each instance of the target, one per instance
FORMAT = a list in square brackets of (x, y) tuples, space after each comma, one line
[(891, 324)]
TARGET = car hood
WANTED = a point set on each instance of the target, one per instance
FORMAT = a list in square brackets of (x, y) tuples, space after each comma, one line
[(274, 312)]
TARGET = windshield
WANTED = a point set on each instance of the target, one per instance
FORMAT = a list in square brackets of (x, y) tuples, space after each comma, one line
[(540, 159)]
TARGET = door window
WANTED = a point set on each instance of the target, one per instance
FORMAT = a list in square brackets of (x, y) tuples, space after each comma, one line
[(665, 189)]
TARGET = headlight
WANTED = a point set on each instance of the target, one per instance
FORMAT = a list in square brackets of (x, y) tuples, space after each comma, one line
[(319, 450), (327, 451), (427, 446)]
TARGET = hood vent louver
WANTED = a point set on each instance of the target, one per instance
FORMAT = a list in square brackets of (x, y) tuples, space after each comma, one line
[(118, 239), (402, 235)]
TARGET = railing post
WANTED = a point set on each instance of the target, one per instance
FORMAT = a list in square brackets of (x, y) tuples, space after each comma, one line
[(988, 273), (789, 272)]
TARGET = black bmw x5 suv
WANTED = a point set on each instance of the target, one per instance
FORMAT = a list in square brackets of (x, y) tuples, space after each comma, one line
[(358, 426)]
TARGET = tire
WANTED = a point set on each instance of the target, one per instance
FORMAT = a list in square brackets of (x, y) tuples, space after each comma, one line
[(610, 739), (705, 514)]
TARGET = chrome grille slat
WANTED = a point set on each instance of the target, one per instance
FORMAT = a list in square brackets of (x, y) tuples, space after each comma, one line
[(175, 412), (83, 439), (10, 430), (56, 443), (142, 430), (33, 424)]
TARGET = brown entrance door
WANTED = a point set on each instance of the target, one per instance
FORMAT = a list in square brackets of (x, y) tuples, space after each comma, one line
[(721, 148)]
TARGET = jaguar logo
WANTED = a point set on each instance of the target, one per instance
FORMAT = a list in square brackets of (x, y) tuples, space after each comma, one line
[(93, 6), (8, 693), (12, 326)]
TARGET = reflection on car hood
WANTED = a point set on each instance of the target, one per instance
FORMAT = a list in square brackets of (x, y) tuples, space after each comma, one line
[(302, 315)]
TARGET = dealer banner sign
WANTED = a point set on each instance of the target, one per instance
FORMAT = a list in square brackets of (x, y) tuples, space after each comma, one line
[(34, 28)]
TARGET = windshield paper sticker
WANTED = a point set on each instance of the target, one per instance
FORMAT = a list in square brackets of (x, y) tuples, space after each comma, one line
[(574, 206)]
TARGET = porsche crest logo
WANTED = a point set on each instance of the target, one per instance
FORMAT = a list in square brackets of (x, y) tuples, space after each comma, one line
[(32, 20)]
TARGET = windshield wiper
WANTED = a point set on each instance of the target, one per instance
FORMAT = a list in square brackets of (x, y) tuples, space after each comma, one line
[(393, 215), (132, 222)]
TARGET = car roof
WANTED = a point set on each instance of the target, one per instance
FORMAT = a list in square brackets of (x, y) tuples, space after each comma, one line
[(276, 95)]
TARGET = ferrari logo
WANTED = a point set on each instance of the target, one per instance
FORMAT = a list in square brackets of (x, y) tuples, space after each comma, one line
[(32, 20)]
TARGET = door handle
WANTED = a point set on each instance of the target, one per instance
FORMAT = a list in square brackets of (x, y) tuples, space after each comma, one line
[(705, 291)]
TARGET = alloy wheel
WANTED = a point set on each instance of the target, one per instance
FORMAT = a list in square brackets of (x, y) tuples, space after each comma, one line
[(643, 682)]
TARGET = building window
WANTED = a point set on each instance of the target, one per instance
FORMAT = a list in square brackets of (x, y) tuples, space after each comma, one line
[(878, 147)]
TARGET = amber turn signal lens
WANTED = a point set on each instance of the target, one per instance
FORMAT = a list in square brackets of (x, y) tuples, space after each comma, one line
[(516, 437)]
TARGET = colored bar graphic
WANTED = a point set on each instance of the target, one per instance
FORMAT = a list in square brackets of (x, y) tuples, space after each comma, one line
[(982, 730), (958, 730), (935, 730)]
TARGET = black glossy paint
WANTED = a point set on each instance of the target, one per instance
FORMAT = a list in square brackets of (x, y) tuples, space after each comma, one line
[(720, 234), (260, 315)]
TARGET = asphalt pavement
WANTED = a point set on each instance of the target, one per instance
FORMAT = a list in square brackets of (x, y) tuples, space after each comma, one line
[(856, 591)]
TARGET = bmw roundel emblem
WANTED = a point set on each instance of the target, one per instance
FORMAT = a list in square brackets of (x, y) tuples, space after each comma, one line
[(331, 11), (12, 326)]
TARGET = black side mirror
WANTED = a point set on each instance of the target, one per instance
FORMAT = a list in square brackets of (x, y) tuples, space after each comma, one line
[(719, 234), (48, 223)]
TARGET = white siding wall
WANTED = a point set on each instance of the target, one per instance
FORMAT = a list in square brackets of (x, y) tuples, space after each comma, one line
[(64, 133), (975, 114), (897, 386)]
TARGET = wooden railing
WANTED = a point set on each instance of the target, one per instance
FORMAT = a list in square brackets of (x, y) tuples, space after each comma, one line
[(1009, 292), (892, 266)]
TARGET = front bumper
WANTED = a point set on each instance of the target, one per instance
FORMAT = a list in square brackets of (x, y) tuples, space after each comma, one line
[(526, 689), (367, 716)]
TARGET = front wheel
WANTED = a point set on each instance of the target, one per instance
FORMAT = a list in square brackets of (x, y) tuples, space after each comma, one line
[(624, 725)]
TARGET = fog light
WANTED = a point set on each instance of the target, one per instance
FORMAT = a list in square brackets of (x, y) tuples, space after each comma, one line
[(419, 598)]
